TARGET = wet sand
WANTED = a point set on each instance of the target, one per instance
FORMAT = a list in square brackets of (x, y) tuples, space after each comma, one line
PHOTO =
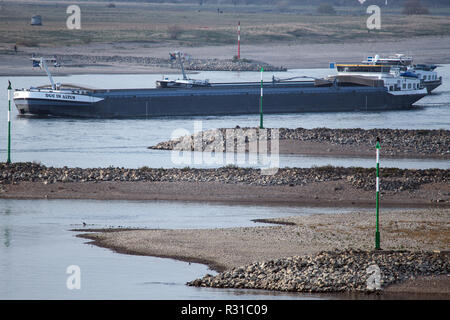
[(312, 148), (222, 249), (328, 193)]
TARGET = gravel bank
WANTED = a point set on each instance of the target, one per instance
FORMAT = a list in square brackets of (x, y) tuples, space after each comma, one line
[(395, 142), (311, 253), (331, 271), (191, 64), (392, 179)]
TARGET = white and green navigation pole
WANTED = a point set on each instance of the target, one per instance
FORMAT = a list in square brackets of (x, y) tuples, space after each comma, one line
[(261, 102), (8, 160), (377, 231)]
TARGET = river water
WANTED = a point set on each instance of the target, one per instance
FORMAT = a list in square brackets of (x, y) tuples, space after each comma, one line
[(37, 246), (123, 143)]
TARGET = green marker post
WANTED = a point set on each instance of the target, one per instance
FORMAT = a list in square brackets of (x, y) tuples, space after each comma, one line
[(377, 231), (8, 160)]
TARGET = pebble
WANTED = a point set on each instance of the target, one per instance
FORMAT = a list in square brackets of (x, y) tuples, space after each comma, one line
[(393, 141), (392, 179), (191, 64)]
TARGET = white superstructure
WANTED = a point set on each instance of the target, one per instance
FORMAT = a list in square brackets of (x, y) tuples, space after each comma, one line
[(394, 82), (401, 63), (64, 95), (53, 94)]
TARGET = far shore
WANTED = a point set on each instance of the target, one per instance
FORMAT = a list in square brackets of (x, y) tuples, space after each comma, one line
[(426, 49)]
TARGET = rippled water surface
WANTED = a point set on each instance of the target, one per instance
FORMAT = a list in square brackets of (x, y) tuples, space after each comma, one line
[(36, 248), (96, 143)]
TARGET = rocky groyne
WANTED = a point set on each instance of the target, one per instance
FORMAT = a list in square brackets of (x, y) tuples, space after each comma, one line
[(331, 271), (393, 141), (191, 64), (392, 179)]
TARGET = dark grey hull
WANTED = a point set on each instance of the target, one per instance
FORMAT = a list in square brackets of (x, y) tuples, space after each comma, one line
[(146, 103), (431, 85)]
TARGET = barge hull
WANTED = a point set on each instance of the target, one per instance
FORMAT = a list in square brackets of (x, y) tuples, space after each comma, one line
[(147, 103)]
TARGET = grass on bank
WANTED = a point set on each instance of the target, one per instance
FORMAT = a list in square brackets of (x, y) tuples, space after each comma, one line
[(194, 25)]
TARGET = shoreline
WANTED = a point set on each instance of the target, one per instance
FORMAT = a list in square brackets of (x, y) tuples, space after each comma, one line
[(277, 54), (303, 236), (328, 232), (315, 195)]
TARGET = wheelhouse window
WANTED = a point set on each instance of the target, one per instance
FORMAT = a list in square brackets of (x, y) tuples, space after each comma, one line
[(368, 68)]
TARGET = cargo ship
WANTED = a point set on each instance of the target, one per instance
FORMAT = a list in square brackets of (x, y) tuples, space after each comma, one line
[(188, 97)]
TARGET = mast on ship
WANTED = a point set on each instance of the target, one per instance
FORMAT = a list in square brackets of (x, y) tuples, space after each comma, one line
[(180, 61), (42, 63), (186, 82)]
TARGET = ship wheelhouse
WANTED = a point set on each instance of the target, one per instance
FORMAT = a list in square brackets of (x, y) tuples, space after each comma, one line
[(393, 78), (361, 68)]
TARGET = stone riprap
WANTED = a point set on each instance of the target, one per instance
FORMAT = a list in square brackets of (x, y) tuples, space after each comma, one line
[(393, 141), (392, 179), (191, 64), (331, 271)]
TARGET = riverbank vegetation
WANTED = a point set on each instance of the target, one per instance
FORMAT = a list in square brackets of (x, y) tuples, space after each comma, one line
[(195, 24)]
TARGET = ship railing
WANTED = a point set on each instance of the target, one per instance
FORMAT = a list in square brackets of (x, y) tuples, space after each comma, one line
[(275, 79)]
